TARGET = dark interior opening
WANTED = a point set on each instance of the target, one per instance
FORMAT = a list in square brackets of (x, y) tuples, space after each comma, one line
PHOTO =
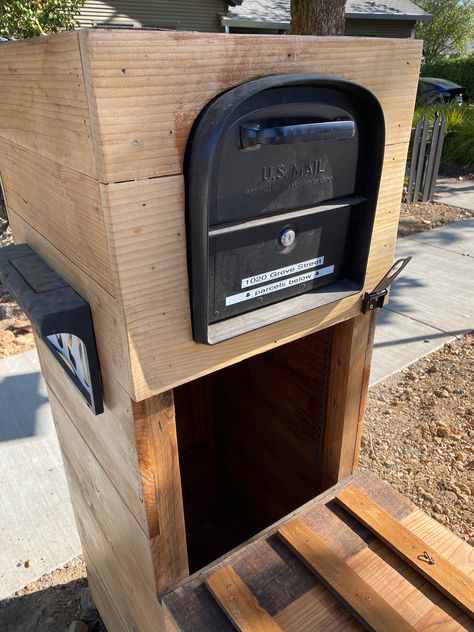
[(250, 442)]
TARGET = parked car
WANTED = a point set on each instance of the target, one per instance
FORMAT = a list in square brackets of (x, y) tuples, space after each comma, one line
[(431, 90)]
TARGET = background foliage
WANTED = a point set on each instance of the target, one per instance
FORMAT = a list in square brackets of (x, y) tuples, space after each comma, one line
[(458, 149), (29, 18), (450, 30)]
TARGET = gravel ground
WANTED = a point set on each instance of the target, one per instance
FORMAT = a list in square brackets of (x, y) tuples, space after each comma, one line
[(416, 218), (419, 435), (15, 330)]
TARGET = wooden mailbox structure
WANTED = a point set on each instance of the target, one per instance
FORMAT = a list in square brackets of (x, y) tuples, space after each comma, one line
[(199, 446)]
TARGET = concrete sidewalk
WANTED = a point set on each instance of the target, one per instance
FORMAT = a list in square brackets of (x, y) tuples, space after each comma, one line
[(430, 304), (455, 192), (37, 528)]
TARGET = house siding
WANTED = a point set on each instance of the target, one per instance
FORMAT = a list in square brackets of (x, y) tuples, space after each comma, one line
[(184, 15), (379, 28)]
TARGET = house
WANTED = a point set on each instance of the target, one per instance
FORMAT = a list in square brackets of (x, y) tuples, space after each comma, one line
[(371, 18), (377, 18)]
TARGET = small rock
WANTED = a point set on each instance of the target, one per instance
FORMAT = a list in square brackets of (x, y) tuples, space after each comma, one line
[(22, 324), (24, 339), (27, 563), (441, 393), (78, 626), (442, 430), (439, 517), (6, 337)]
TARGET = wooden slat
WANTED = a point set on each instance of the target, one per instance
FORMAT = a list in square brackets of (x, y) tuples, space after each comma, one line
[(364, 602), (239, 603), (157, 448), (316, 610), (348, 383), (63, 206), (147, 88), (446, 577), (43, 106)]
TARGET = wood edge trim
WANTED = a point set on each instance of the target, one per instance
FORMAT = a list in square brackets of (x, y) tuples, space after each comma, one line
[(409, 547), (328, 567), (83, 37)]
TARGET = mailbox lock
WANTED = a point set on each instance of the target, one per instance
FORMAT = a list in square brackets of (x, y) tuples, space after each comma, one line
[(287, 237)]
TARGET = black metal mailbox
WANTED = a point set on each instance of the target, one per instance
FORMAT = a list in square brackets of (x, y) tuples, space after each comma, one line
[(282, 176)]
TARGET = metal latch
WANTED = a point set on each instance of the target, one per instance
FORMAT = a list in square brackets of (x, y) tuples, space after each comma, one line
[(376, 298)]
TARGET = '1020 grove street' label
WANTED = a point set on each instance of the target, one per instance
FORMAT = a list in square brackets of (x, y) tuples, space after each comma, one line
[(256, 279)]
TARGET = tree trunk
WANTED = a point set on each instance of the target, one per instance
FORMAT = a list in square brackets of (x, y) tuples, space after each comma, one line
[(317, 17)]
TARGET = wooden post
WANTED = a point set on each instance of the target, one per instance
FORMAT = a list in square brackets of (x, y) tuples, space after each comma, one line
[(347, 396)]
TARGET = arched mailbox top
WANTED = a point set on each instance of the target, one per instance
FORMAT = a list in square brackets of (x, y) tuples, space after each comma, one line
[(299, 154)]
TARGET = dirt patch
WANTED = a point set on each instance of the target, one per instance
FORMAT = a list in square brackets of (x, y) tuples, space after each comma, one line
[(47, 605), (416, 218), (16, 334), (419, 435)]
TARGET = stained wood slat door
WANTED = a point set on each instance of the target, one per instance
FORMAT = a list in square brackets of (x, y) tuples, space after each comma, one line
[(362, 600), (434, 567)]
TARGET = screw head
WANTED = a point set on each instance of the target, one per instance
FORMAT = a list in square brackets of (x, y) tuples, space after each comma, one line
[(287, 237)]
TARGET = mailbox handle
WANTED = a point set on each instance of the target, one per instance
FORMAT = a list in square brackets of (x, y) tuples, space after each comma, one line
[(252, 135)]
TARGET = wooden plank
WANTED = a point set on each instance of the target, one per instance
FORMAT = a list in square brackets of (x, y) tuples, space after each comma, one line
[(439, 151), (117, 457), (152, 283), (238, 603), (427, 184), (159, 466), (62, 205), (346, 396), (446, 577), (420, 167), (364, 602), (44, 106), (364, 388), (142, 116), (110, 534), (404, 588), (442, 539), (103, 601), (107, 316), (415, 149), (317, 609)]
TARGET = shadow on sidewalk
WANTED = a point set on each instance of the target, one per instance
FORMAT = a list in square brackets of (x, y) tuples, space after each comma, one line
[(20, 399)]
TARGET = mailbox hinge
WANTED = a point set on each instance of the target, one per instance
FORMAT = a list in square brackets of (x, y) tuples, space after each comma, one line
[(376, 298)]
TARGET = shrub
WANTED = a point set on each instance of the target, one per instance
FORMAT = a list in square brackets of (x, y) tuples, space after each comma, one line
[(458, 146), (460, 70)]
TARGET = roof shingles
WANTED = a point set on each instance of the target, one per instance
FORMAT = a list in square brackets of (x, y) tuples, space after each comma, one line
[(279, 10)]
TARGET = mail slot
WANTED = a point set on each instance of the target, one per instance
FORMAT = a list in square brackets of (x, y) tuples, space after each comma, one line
[(282, 176)]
